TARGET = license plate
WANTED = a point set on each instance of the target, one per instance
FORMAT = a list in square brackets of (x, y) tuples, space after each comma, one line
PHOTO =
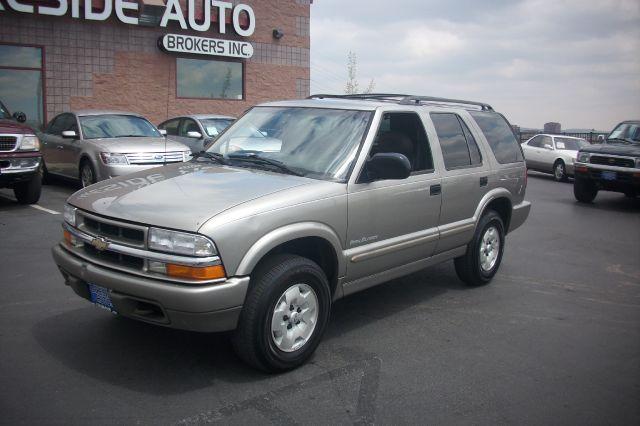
[(101, 297), (608, 175)]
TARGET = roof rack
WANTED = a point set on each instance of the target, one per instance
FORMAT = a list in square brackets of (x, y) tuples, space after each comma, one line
[(404, 99)]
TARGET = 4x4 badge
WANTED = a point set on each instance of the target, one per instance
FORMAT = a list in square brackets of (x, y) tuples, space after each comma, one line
[(100, 243)]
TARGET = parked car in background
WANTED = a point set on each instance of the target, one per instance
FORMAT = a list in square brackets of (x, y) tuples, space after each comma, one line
[(611, 166), (196, 131), (20, 157), (553, 154), (95, 145), (329, 197)]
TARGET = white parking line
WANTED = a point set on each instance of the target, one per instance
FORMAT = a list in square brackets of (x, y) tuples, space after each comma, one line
[(37, 207)]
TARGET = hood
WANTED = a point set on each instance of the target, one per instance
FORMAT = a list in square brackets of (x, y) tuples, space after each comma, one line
[(10, 126), (614, 149), (180, 196), (136, 145)]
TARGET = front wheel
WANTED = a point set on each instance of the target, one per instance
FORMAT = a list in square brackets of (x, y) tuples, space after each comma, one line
[(484, 253), (559, 171), (29, 192), (584, 190), (284, 315), (87, 174)]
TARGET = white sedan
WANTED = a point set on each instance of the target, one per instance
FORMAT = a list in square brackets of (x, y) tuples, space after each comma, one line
[(553, 154)]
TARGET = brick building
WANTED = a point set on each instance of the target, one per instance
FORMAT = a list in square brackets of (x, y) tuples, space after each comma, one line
[(153, 57)]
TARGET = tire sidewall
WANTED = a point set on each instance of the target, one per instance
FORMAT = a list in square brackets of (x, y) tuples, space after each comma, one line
[(301, 274), (491, 219), (557, 164), (87, 163)]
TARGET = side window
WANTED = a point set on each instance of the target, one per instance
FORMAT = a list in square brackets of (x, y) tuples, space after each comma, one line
[(171, 127), (501, 139), (546, 140), (403, 133), (454, 145), (536, 142), (55, 126), (187, 125), (69, 123), (474, 151)]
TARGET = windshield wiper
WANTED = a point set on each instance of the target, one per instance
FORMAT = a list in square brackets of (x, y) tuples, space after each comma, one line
[(218, 158), (256, 159), (132, 136), (619, 140)]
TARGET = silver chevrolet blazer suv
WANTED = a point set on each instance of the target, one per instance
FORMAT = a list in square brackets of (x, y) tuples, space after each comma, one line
[(296, 205)]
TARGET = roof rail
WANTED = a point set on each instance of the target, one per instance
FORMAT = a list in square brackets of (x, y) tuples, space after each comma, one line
[(404, 99)]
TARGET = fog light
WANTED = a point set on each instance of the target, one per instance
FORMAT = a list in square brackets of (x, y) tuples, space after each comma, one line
[(157, 267), (196, 273)]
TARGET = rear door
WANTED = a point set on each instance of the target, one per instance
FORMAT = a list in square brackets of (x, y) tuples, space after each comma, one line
[(532, 152), (465, 178)]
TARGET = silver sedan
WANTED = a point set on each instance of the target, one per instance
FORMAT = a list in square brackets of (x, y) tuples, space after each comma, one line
[(95, 145), (196, 131), (553, 154)]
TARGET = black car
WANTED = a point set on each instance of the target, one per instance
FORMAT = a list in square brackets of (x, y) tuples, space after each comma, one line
[(611, 166)]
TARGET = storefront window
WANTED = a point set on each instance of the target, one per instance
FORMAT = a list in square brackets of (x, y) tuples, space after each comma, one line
[(21, 81), (209, 79)]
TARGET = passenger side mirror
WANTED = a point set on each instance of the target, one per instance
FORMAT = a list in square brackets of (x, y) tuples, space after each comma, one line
[(20, 117), (195, 135), (69, 134), (163, 132), (388, 165)]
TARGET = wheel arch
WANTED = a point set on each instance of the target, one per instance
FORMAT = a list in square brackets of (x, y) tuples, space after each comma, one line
[(498, 200)]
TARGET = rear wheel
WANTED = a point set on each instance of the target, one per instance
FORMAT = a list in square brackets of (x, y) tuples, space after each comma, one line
[(584, 190), (484, 253), (29, 192), (87, 174), (559, 171), (285, 314)]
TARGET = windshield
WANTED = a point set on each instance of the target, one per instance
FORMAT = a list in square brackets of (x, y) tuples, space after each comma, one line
[(571, 144), (629, 132), (4, 112), (116, 126), (314, 142), (215, 126)]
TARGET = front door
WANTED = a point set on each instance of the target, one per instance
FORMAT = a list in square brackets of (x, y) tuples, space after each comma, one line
[(394, 222)]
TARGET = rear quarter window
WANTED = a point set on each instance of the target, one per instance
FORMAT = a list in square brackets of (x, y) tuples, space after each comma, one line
[(501, 139)]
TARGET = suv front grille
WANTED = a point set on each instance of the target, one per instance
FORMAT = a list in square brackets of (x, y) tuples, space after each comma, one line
[(612, 161), (113, 258), (155, 158), (123, 233), (8, 143)]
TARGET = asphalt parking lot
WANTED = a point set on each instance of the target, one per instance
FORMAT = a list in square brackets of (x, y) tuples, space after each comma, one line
[(554, 339)]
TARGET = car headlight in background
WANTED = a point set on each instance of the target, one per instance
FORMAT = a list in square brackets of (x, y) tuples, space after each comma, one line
[(583, 157), (113, 159), (70, 214), (186, 155), (29, 143), (181, 243)]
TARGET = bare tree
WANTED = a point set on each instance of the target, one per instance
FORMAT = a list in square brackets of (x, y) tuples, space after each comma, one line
[(353, 87)]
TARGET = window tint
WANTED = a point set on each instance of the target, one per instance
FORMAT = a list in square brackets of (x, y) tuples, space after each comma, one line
[(209, 79), (454, 145), (474, 151), (500, 136), (55, 127), (536, 142), (171, 127), (187, 126), (403, 133)]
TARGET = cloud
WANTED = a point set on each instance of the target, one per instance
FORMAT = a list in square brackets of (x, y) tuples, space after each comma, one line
[(535, 60)]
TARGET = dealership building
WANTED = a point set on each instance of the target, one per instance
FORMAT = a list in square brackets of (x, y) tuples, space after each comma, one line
[(159, 58)]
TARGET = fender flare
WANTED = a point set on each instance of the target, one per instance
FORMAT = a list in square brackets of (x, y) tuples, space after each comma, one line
[(287, 233), (490, 196)]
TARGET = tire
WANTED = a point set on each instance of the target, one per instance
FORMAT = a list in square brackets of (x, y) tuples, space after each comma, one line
[(29, 192), (559, 171), (46, 177), (477, 267), (87, 174), (584, 190), (255, 340)]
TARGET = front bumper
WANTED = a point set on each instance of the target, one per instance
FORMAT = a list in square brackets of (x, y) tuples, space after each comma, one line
[(18, 167), (205, 308), (519, 214), (626, 180)]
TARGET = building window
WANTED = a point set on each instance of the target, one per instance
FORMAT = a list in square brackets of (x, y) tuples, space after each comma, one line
[(210, 79), (21, 81)]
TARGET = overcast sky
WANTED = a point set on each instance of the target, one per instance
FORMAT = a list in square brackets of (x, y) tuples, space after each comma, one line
[(572, 61)]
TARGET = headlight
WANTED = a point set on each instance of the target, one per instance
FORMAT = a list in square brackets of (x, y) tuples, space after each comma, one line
[(29, 143), (583, 157), (181, 243), (186, 155), (70, 214), (110, 158)]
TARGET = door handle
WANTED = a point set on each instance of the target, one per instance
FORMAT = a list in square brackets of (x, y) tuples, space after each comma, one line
[(484, 181), (435, 189)]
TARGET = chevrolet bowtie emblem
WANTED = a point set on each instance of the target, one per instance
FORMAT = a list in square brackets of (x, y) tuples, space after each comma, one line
[(100, 243)]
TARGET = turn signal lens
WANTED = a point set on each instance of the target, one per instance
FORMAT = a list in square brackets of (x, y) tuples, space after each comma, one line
[(67, 237), (70, 239), (196, 273)]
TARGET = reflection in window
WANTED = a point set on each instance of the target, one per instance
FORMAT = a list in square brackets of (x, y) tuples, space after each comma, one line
[(21, 81), (209, 79)]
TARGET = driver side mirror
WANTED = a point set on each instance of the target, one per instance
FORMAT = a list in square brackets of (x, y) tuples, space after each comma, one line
[(388, 165), (549, 147), (69, 134), (163, 132), (195, 135), (20, 117)]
